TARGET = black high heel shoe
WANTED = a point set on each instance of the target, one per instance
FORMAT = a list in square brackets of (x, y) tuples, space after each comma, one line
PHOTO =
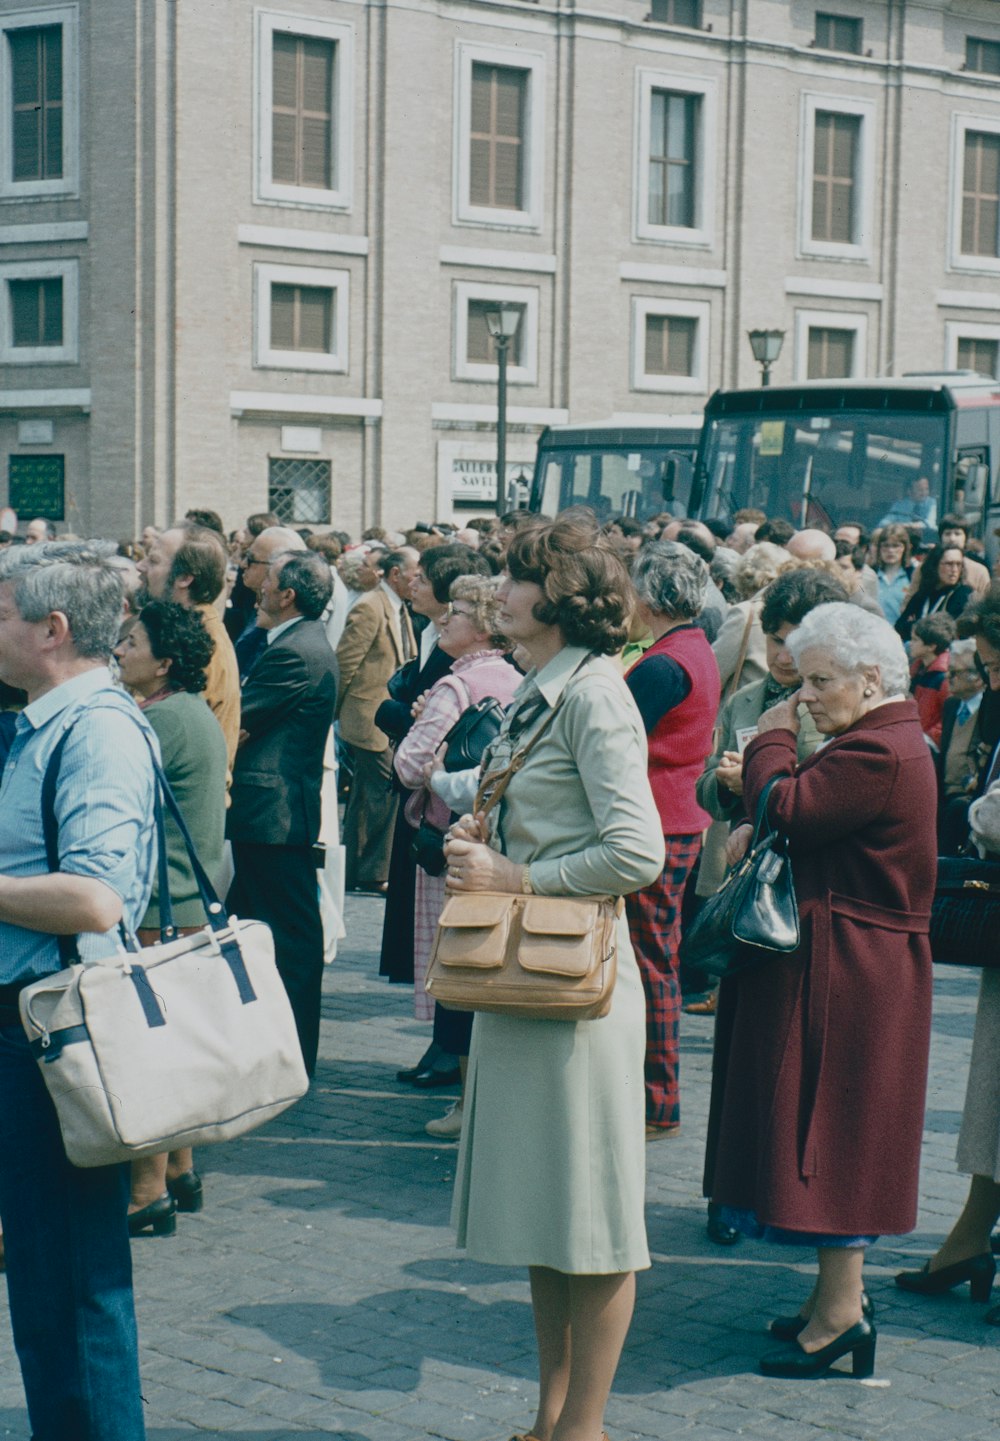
[(788, 1328), (979, 1271), (186, 1189), (160, 1217), (797, 1364)]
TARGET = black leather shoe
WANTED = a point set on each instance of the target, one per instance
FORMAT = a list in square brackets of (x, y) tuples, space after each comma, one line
[(977, 1270), (718, 1231), (788, 1328), (187, 1191), (796, 1364), (438, 1076), (160, 1217), (424, 1064)]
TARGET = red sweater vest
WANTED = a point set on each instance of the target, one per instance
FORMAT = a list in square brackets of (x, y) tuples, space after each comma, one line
[(681, 742)]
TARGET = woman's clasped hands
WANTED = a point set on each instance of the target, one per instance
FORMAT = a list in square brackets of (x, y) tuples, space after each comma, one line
[(472, 864)]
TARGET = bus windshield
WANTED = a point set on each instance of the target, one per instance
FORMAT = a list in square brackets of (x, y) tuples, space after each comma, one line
[(637, 479), (825, 468)]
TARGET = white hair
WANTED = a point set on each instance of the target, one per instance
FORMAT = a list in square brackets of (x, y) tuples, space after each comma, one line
[(854, 640), (962, 647)]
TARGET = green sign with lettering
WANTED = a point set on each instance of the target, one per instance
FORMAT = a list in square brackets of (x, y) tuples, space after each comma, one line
[(37, 487)]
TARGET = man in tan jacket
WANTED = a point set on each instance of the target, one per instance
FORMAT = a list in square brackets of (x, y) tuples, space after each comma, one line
[(378, 638)]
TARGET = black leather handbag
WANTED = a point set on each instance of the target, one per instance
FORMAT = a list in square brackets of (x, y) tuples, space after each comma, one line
[(468, 738), (965, 915), (754, 915)]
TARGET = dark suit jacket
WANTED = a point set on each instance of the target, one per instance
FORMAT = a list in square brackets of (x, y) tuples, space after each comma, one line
[(288, 705), (394, 716)]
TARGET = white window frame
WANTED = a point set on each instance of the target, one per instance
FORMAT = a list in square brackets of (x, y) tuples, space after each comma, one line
[(702, 234), (268, 191), (644, 306), (265, 355), (68, 271), (854, 320), (956, 330), (69, 182), (957, 260), (526, 295), (861, 248), (492, 217)]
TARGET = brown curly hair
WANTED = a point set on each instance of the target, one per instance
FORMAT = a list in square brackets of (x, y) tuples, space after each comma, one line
[(588, 594)]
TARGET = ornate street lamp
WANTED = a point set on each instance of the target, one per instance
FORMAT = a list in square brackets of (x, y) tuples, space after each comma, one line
[(502, 324), (766, 346)]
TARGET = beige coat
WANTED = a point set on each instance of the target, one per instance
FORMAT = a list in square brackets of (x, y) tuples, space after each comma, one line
[(368, 653)]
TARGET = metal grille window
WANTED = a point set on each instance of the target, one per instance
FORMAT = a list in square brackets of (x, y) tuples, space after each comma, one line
[(670, 344), (298, 491), (302, 318), (36, 312), (981, 194), (835, 158), (302, 127), (497, 136), (831, 353), (36, 70), (673, 125), (839, 32), (982, 56), (479, 342), (677, 12), (975, 353)]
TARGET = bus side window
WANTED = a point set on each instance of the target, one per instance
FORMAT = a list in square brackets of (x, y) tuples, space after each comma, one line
[(972, 475)]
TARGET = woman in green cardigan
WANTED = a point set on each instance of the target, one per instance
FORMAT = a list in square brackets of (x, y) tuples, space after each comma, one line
[(163, 660)]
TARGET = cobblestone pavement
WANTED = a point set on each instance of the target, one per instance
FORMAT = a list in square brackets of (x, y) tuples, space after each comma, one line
[(319, 1293)]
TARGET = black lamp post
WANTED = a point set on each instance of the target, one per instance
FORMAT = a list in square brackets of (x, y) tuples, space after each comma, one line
[(766, 346), (502, 324)]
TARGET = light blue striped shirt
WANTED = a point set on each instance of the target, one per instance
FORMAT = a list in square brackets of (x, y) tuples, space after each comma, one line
[(103, 805)]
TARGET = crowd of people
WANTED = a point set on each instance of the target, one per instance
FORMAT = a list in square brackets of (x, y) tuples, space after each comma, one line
[(523, 706)]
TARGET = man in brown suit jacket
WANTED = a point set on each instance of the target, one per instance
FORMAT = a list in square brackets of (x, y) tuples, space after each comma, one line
[(377, 639)]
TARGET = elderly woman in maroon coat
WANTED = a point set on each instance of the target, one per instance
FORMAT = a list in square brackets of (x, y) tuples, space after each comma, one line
[(821, 1056)]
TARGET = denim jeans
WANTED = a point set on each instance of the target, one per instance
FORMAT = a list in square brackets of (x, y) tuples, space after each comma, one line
[(69, 1270)]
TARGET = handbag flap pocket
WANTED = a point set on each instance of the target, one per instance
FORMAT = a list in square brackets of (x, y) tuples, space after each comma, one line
[(473, 930), (558, 935)]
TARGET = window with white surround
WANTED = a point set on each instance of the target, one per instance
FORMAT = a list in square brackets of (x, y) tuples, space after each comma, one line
[(830, 345), (500, 136), (475, 353), (836, 186), (301, 317), (972, 347), (39, 312), (38, 103), (974, 201), (675, 159), (670, 345), (304, 111)]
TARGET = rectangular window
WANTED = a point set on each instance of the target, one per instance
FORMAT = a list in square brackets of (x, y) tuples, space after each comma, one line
[(36, 485), (497, 136), (298, 491), (981, 194), (677, 12), (835, 159), (302, 114), (670, 344), (36, 71), (36, 312), (831, 353), (978, 354), (673, 128), (302, 318), (479, 349), (982, 56), (839, 32)]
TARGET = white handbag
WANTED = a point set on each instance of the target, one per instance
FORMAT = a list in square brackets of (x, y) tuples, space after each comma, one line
[(183, 1043)]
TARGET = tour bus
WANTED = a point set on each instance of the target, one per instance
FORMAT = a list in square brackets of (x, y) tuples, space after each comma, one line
[(825, 452), (638, 469)]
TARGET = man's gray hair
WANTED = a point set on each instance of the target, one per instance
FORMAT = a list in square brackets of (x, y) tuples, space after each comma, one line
[(962, 647), (74, 577), (854, 640), (671, 579), (309, 576)]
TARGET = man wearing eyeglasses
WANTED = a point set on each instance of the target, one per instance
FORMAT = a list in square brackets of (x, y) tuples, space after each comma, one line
[(958, 761), (253, 568)]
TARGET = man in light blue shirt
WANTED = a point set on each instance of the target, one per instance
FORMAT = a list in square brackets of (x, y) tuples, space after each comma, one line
[(65, 1230), (917, 508)]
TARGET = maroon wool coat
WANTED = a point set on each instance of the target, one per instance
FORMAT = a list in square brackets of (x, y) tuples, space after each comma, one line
[(820, 1067)]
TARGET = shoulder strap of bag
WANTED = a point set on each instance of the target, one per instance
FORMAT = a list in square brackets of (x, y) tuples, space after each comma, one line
[(763, 827), (741, 661)]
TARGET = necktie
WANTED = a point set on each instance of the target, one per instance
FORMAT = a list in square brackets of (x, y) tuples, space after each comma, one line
[(963, 713)]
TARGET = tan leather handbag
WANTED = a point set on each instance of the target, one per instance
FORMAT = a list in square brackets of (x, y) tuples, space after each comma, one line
[(545, 958)]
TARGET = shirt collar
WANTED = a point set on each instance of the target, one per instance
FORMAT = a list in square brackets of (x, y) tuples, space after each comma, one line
[(554, 677), (973, 704), (71, 692), (395, 600), (275, 631)]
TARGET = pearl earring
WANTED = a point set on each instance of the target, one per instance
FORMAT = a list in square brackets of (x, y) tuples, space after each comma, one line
[(868, 692)]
